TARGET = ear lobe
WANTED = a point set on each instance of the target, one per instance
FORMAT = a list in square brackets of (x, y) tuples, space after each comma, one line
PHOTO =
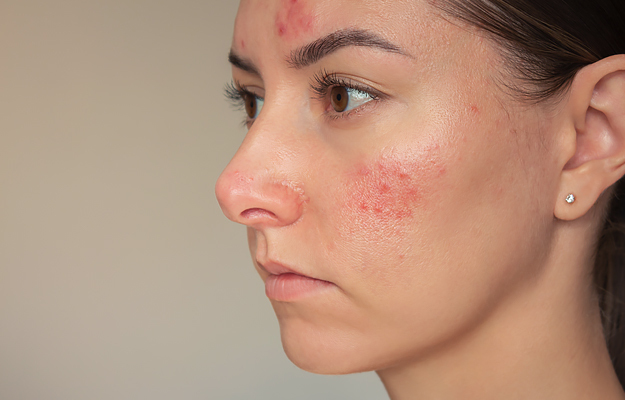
[(597, 113)]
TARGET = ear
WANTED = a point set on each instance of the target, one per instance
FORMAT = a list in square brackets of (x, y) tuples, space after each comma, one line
[(596, 131)]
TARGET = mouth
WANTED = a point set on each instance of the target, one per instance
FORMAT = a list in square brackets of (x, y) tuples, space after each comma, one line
[(287, 285)]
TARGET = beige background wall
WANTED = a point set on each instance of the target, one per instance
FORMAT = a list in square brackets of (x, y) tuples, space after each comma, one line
[(119, 277)]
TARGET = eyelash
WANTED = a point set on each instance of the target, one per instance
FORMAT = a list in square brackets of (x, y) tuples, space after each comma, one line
[(322, 83), (236, 93)]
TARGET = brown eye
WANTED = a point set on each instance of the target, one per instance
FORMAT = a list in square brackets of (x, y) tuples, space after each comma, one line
[(339, 98), (251, 106)]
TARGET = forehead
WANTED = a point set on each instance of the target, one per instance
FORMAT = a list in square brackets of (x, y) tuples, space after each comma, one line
[(282, 25)]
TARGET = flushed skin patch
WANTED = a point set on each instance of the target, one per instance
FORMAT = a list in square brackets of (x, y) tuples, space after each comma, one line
[(388, 188), (294, 19), (260, 195)]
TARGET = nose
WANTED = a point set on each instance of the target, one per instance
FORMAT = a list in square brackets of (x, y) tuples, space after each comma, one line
[(258, 201), (253, 189)]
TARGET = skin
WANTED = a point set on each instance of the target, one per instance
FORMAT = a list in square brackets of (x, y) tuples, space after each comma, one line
[(430, 210)]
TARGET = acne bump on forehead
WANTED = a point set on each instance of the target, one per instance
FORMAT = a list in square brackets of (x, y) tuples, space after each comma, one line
[(294, 18)]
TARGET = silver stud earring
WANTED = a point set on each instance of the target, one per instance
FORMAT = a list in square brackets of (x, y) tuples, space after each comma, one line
[(570, 198)]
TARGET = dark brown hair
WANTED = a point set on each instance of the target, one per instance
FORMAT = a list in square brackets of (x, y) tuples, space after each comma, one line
[(545, 43)]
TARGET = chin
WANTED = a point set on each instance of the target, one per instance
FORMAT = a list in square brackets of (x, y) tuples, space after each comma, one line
[(327, 350), (321, 358)]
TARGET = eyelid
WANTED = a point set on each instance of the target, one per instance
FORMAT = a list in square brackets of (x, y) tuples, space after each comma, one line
[(249, 89), (323, 81)]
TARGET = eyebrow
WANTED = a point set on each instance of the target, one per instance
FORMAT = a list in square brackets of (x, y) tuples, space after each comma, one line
[(322, 47), (313, 52), (242, 63)]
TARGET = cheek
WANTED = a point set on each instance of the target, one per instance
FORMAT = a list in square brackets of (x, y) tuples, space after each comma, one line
[(385, 210), (384, 196), (294, 19)]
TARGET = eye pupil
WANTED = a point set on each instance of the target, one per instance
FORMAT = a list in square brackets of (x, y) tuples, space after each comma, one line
[(250, 106), (339, 98)]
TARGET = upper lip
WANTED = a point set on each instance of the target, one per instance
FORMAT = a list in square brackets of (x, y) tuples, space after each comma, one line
[(275, 268)]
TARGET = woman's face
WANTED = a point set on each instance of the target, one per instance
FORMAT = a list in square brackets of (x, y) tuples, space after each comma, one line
[(395, 196)]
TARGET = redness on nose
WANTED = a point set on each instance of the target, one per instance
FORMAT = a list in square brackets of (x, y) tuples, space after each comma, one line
[(389, 189), (252, 199), (294, 19), (281, 202)]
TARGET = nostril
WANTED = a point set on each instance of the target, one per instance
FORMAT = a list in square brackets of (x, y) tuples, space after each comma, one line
[(258, 214)]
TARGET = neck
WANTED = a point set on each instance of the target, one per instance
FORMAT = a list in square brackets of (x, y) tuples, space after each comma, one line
[(544, 341)]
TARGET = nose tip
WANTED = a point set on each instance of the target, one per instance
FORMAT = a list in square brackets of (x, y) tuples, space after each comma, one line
[(258, 201)]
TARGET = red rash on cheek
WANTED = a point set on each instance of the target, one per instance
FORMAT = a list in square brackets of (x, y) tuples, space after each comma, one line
[(388, 190), (294, 19)]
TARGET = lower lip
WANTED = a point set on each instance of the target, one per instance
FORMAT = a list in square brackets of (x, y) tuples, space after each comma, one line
[(291, 287)]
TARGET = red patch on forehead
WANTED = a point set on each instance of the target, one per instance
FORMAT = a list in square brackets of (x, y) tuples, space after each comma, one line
[(294, 19)]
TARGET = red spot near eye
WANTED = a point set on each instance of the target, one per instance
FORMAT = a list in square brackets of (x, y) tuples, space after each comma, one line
[(242, 43), (294, 19)]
